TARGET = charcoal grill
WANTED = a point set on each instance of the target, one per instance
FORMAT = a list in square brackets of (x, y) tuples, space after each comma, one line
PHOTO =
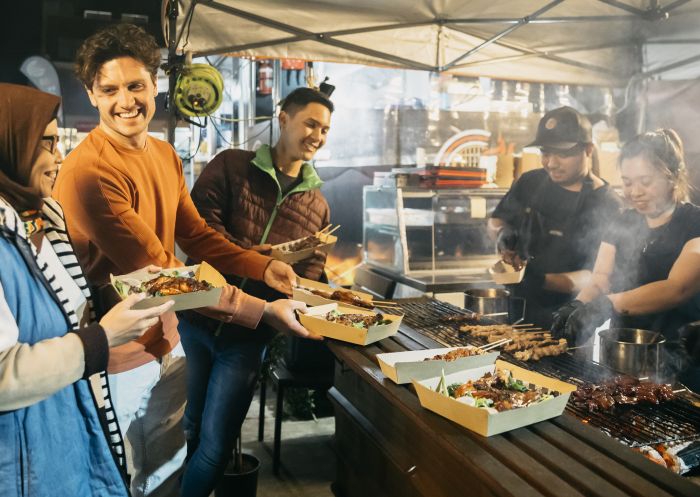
[(638, 425)]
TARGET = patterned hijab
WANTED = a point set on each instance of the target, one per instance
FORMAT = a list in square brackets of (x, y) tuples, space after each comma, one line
[(24, 115)]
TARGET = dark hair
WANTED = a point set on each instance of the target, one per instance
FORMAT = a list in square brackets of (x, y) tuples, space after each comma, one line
[(663, 148), (118, 40), (301, 97)]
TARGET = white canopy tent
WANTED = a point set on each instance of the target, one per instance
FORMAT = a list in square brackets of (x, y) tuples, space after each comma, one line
[(600, 42)]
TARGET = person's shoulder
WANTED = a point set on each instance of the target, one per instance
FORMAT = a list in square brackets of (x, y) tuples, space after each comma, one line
[(161, 147), (235, 158), (606, 194), (534, 176), (623, 224), (690, 214), (230, 161), (86, 153), (529, 180)]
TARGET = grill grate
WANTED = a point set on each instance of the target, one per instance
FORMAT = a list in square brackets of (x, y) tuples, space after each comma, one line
[(639, 425)]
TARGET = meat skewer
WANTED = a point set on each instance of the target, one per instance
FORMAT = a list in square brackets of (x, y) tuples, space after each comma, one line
[(620, 391), (524, 344)]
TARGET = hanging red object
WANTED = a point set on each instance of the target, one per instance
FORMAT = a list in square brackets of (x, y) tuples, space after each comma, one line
[(264, 78), (293, 64)]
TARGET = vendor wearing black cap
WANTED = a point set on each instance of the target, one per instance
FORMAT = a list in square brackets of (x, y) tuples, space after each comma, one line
[(552, 219)]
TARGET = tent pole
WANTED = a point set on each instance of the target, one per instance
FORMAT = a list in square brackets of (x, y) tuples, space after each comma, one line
[(172, 74), (525, 20)]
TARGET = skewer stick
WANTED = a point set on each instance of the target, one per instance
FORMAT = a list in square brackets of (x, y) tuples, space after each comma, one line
[(579, 347), (521, 325), (331, 231), (494, 345), (326, 228)]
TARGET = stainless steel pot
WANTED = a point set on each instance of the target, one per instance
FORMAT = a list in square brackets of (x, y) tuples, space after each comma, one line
[(494, 303), (632, 351)]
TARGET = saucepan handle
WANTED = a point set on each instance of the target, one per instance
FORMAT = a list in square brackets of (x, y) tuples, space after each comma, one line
[(522, 313)]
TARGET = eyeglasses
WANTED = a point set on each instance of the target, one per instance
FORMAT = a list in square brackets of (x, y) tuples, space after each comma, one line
[(52, 141)]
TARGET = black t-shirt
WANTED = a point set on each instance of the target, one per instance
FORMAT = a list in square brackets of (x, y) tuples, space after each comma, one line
[(644, 255), (558, 231), (288, 183)]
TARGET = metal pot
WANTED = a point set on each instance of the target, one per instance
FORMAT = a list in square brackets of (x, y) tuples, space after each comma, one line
[(632, 351), (494, 303)]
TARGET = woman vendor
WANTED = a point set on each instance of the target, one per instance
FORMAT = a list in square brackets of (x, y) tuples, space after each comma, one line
[(647, 273)]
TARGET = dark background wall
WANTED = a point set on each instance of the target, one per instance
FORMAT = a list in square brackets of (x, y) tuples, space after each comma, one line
[(55, 28)]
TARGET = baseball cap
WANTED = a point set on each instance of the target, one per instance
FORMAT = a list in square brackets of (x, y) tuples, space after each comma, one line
[(562, 129)]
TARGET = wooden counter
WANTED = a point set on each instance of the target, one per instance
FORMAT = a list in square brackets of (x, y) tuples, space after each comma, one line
[(389, 446)]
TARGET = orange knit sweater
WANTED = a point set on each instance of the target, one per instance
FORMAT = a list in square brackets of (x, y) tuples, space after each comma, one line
[(125, 209)]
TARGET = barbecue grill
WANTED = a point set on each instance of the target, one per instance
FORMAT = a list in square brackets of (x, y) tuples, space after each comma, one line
[(636, 425)]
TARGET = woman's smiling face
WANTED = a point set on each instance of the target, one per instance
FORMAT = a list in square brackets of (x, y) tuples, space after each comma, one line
[(646, 187)]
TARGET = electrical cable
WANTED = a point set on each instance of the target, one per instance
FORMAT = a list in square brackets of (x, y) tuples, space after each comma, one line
[(236, 145), (199, 144)]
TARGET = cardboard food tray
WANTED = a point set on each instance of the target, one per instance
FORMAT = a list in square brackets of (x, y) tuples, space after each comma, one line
[(313, 299), (313, 321), (281, 253), (482, 421), (402, 367), (183, 301), (505, 274)]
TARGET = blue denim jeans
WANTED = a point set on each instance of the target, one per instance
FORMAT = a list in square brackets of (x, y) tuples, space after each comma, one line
[(221, 377)]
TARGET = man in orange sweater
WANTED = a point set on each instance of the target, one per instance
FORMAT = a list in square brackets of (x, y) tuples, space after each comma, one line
[(126, 204)]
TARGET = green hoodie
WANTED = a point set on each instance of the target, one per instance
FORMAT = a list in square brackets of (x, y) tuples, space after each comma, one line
[(310, 181)]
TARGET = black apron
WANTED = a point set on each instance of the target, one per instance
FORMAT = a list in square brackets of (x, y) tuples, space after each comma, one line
[(548, 245)]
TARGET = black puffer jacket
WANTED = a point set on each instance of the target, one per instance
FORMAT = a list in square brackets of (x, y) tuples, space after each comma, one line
[(238, 195)]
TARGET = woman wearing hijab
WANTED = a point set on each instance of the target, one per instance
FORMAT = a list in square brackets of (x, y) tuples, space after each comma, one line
[(647, 274), (51, 438)]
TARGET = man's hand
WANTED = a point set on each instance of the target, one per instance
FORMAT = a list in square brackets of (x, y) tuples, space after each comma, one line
[(561, 316), (506, 243), (280, 276), (312, 268), (281, 315), (586, 318)]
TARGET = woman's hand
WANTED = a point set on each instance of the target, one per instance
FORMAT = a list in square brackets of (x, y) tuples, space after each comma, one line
[(123, 324)]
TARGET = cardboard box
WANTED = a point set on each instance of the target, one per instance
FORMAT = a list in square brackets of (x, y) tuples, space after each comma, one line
[(314, 321), (184, 301), (402, 367), (481, 420), (313, 299), (505, 274), (281, 251)]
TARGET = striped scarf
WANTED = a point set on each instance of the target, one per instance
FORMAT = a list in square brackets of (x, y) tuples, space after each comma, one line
[(54, 226)]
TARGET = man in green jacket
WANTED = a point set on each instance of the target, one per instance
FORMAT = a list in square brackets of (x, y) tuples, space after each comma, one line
[(254, 199)]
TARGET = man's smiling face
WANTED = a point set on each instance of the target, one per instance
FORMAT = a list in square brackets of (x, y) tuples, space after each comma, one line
[(305, 131), (124, 94)]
